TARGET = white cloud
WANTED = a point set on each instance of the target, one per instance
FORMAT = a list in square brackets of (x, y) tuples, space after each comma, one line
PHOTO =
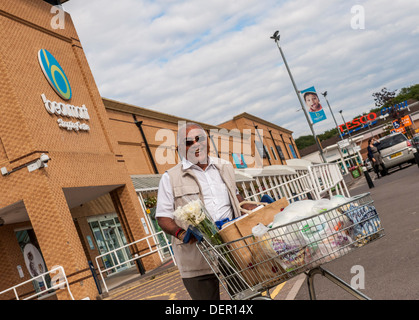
[(208, 61)]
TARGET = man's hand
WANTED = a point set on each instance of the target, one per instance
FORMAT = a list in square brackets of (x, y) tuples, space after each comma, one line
[(192, 239), (169, 226)]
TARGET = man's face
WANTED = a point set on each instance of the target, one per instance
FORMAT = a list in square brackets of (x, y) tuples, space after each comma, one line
[(196, 144)]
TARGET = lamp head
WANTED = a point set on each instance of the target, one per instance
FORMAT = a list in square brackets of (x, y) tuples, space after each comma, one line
[(276, 36), (324, 94)]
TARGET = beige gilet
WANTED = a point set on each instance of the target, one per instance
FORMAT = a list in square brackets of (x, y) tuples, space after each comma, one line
[(185, 186)]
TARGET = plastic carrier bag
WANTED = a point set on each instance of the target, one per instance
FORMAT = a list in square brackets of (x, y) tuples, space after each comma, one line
[(290, 247), (334, 239), (293, 212), (324, 237), (365, 222)]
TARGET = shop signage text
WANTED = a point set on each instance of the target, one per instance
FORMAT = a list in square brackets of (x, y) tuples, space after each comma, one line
[(363, 120), (399, 126), (358, 121), (69, 111)]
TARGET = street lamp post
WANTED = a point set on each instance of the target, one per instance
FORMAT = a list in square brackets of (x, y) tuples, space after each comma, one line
[(340, 111), (276, 39), (350, 137), (334, 119), (345, 169)]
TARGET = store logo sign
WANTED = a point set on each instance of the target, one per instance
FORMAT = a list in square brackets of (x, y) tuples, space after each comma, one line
[(59, 81), (54, 74)]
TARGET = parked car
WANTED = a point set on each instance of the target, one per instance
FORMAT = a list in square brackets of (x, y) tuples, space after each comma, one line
[(396, 149), (415, 141), (368, 164)]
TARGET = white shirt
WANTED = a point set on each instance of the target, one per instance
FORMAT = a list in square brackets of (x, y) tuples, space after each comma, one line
[(214, 192)]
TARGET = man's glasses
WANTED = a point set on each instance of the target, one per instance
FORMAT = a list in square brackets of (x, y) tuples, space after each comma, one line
[(191, 141)]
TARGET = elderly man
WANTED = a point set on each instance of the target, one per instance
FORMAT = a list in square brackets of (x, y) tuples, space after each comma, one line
[(197, 176)]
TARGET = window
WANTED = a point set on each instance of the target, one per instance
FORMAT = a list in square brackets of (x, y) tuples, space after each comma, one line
[(391, 141), (261, 149), (273, 152), (266, 152), (279, 150), (292, 151)]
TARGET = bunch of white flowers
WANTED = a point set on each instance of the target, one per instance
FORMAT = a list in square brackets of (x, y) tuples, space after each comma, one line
[(195, 213), (191, 212)]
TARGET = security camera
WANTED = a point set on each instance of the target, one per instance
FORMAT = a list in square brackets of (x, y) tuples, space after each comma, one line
[(40, 163), (44, 160), (4, 171)]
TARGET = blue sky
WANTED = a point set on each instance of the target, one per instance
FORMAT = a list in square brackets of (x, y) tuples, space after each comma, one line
[(211, 60)]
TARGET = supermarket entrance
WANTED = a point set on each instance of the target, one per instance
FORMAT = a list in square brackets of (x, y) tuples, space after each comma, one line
[(108, 235)]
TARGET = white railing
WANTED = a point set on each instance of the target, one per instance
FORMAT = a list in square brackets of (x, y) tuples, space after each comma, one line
[(290, 186), (58, 284), (318, 181), (151, 249), (327, 180)]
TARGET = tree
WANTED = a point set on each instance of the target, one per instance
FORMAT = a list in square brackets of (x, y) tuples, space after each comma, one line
[(384, 97), (411, 92), (304, 142)]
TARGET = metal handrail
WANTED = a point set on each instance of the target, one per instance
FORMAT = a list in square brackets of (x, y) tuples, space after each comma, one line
[(54, 287), (136, 257), (285, 184), (325, 177), (319, 179)]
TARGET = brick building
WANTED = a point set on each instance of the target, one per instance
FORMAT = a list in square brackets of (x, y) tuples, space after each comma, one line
[(105, 157), (50, 207)]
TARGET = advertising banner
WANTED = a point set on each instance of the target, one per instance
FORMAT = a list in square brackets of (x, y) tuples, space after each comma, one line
[(405, 121), (314, 107)]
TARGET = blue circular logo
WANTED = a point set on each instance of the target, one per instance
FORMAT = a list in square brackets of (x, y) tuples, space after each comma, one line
[(54, 74)]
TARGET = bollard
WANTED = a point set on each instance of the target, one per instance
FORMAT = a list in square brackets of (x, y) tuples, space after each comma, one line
[(92, 269), (416, 154), (139, 265), (367, 177)]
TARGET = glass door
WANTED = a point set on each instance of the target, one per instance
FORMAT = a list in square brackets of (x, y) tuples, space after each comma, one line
[(109, 236)]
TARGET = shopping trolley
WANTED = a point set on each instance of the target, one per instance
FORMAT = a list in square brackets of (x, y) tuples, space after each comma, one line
[(249, 266)]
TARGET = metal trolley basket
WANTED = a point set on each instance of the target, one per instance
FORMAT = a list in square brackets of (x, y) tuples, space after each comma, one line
[(248, 266)]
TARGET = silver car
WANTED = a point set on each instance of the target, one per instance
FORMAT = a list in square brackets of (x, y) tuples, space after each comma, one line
[(396, 149), (415, 142)]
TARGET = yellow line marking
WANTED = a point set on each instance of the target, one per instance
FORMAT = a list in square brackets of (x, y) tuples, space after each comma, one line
[(144, 283), (277, 289), (171, 296)]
